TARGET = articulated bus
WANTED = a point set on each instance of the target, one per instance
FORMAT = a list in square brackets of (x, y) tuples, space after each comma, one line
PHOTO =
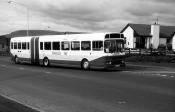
[(95, 50)]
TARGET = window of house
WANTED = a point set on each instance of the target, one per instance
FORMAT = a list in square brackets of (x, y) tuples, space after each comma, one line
[(11, 45), (23, 45), (65, 45), (85, 45), (41, 45), (47, 45), (56, 45), (19, 45), (75, 45), (97, 45), (15, 45)]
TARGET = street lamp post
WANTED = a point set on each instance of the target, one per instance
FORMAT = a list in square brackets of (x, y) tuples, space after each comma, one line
[(10, 2)]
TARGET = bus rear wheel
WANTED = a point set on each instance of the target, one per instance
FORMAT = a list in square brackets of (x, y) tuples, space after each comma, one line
[(46, 62), (85, 64)]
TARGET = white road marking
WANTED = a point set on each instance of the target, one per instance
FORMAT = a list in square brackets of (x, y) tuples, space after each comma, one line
[(152, 72), (21, 68), (156, 74), (172, 76), (155, 66), (48, 72), (126, 71), (121, 102), (3, 65), (163, 75)]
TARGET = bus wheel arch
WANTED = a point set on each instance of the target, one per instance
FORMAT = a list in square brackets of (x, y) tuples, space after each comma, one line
[(85, 64), (46, 62)]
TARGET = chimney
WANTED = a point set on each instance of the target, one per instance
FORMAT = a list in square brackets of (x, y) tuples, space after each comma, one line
[(155, 31)]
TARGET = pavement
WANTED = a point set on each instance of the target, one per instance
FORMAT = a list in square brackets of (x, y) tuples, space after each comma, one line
[(136, 88), (7, 105)]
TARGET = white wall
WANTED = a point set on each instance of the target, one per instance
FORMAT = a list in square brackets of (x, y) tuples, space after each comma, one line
[(163, 41), (173, 43), (155, 31), (148, 42), (129, 34)]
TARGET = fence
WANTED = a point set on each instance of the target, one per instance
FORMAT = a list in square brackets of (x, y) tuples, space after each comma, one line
[(131, 52)]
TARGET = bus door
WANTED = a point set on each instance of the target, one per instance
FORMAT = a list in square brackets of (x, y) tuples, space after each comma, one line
[(35, 50), (19, 49)]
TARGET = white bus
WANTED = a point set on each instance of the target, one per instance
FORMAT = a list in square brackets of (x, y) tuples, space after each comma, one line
[(96, 50)]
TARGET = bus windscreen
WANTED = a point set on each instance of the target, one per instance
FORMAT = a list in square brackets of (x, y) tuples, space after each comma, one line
[(114, 46)]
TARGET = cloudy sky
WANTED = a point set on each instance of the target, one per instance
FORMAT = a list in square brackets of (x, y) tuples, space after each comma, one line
[(83, 15)]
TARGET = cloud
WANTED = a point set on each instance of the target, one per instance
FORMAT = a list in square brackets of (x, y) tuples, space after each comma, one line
[(85, 15), (163, 1), (148, 11)]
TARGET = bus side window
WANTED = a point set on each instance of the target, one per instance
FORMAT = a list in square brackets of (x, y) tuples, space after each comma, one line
[(56, 45), (15, 45), (47, 45), (85, 45), (23, 45), (97, 45), (11, 45), (19, 45), (65, 45), (41, 45), (75, 45)]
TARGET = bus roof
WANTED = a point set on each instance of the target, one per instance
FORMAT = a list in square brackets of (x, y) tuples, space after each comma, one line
[(69, 37)]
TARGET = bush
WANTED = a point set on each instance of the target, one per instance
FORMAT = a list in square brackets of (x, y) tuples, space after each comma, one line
[(162, 49), (169, 47)]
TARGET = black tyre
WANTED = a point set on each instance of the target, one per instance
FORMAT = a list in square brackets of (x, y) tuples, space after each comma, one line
[(46, 62), (85, 65)]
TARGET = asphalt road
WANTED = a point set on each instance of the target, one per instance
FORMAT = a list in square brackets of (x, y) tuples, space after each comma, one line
[(138, 88)]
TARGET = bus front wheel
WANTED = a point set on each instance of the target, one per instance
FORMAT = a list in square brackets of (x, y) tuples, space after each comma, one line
[(46, 62), (85, 64)]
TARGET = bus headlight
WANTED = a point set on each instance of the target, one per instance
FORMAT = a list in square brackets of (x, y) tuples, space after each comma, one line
[(109, 62), (122, 61)]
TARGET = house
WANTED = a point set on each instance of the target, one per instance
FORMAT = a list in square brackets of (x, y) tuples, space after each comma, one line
[(148, 36), (4, 43)]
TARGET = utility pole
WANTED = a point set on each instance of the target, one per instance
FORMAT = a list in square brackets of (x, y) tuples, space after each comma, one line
[(27, 9)]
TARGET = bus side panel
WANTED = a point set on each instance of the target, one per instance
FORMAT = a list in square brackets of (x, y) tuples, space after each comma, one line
[(98, 62), (107, 61)]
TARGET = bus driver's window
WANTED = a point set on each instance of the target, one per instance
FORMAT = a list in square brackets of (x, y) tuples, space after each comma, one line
[(107, 46)]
